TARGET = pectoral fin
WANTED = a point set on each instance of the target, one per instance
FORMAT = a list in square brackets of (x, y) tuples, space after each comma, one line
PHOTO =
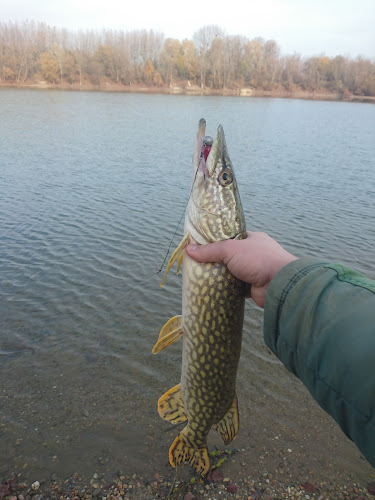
[(169, 334), (171, 406), (177, 255), (227, 427)]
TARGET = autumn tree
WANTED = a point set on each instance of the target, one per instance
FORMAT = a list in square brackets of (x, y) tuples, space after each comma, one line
[(216, 60), (169, 59), (252, 62), (144, 46), (270, 64), (187, 63), (291, 71), (32, 50), (234, 55), (364, 80), (203, 39), (83, 47), (315, 71), (149, 72), (50, 68)]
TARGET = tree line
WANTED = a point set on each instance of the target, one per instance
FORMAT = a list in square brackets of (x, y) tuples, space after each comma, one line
[(33, 51)]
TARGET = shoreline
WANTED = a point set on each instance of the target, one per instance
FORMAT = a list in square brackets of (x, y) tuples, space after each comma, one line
[(193, 90), (172, 487)]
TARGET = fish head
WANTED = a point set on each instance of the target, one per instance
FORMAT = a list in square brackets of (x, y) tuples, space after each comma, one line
[(214, 211)]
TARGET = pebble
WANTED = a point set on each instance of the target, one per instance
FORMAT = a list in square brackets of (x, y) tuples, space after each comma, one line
[(259, 485), (36, 485), (232, 488), (189, 496)]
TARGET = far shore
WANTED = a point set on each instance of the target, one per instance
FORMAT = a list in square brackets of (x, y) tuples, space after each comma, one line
[(194, 90)]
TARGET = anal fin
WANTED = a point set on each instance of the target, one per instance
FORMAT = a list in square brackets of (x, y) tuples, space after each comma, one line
[(228, 426), (171, 406), (183, 451), (177, 255), (169, 334)]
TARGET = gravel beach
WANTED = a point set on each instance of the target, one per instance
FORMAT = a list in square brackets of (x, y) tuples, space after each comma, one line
[(214, 487)]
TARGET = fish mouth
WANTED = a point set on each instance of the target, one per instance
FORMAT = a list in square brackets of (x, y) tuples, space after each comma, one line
[(210, 151)]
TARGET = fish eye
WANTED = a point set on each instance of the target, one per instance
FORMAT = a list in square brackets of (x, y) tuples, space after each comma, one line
[(225, 177)]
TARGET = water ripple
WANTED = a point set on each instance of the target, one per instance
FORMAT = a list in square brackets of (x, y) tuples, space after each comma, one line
[(89, 206)]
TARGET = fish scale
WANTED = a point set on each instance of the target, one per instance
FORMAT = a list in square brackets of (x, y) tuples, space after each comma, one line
[(213, 315), (212, 311)]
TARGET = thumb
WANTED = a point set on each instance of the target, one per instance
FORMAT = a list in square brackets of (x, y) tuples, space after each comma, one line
[(212, 252)]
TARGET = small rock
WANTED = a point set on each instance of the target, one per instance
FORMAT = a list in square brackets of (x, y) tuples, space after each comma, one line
[(189, 496), (371, 488), (232, 488), (310, 488), (257, 494), (85, 413), (35, 486), (214, 476)]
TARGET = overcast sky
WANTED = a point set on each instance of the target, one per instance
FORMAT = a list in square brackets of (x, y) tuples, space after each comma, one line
[(309, 27)]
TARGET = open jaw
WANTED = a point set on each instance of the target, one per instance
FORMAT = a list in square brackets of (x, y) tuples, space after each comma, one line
[(209, 151)]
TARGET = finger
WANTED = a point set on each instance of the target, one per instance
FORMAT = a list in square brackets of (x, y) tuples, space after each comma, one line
[(213, 252)]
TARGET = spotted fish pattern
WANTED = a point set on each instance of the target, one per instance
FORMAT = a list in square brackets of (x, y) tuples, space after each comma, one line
[(212, 312)]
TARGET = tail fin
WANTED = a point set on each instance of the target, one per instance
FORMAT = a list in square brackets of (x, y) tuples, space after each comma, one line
[(183, 451)]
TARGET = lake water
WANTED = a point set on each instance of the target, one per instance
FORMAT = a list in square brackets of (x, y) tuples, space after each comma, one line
[(92, 187)]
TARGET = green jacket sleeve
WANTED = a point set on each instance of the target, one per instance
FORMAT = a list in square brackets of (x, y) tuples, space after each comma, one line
[(319, 320)]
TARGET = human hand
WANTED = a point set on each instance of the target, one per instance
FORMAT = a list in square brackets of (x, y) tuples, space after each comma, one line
[(255, 260)]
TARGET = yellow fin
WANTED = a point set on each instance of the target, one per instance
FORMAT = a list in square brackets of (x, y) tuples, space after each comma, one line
[(177, 254), (228, 426), (183, 451), (171, 406), (169, 334)]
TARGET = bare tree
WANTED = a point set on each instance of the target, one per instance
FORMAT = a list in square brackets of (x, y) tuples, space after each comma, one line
[(291, 71), (31, 50), (203, 39)]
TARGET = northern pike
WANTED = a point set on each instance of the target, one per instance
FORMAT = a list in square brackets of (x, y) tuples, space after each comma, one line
[(212, 311)]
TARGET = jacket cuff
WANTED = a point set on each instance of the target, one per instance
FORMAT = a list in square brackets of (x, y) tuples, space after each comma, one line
[(277, 293)]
